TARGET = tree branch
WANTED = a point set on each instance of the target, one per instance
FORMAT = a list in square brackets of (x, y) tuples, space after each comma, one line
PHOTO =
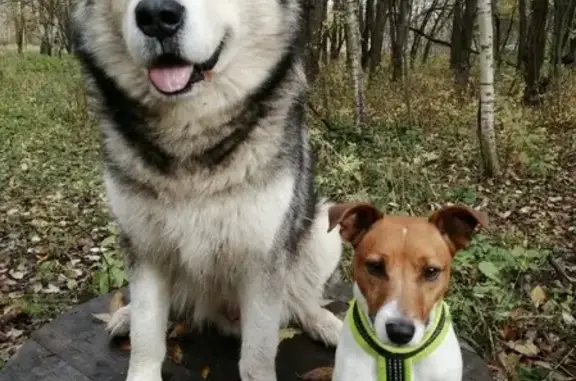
[(449, 45), (437, 41)]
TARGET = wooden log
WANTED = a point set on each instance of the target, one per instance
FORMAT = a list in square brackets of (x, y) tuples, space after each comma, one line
[(74, 347)]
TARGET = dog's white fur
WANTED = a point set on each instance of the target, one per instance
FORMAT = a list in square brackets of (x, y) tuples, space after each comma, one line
[(390, 312), (234, 278), (210, 239), (258, 33), (352, 363)]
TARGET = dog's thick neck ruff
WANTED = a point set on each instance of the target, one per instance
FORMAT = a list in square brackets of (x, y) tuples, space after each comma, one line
[(395, 363)]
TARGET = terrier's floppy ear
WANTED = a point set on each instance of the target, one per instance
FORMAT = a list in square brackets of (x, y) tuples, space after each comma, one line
[(354, 218), (458, 223)]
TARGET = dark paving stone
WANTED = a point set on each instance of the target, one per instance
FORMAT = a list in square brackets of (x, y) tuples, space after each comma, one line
[(75, 347)]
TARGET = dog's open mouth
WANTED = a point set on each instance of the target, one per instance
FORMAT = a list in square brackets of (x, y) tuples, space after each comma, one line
[(172, 75)]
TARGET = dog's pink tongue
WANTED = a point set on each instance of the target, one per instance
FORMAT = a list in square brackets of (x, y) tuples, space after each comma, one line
[(171, 79)]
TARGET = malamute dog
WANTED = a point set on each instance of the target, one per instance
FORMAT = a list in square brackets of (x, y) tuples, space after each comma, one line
[(208, 171)]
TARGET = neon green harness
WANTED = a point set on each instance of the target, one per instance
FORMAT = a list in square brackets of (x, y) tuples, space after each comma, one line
[(395, 364)]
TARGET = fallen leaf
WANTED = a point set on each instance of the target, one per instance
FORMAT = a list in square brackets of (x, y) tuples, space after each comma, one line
[(176, 354), (11, 312), (42, 257), (116, 302), (71, 284), (531, 335), (36, 287), (509, 333), (108, 241), (205, 372), (509, 361), (15, 333), (543, 364), (18, 275), (568, 318), (538, 296), (527, 348), (556, 376), (319, 374), (516, 313), (489, 270), (430, 156), (288, 333), (51, 289), (178, 330)]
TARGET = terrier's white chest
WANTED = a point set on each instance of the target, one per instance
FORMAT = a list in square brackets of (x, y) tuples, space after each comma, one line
[(353, 363)]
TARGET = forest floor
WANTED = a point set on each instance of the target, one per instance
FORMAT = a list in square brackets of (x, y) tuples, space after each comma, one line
[(512, 295)]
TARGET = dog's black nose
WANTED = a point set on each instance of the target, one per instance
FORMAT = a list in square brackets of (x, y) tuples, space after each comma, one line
[(400, 332), (159, 18)]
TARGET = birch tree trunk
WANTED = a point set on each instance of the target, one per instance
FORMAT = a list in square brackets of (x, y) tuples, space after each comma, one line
[(355, 54), (486, 132)]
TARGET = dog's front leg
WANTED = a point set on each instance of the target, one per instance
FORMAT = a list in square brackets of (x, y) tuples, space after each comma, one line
[(150, 304), (260, 310)]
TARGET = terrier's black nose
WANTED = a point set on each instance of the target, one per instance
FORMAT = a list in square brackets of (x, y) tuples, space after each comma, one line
[(159, 18), (400, 332)]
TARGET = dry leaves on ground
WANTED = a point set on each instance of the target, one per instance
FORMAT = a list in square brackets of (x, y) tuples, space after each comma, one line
[(318, 374)]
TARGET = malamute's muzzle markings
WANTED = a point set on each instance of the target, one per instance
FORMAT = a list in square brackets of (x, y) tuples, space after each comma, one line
[(208, 171), (169, 72)]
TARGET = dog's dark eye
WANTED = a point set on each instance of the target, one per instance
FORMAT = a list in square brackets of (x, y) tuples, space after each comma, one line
[(431, 273), (376, 268)]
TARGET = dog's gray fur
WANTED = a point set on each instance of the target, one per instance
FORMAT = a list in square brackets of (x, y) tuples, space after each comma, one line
[(212, 189)]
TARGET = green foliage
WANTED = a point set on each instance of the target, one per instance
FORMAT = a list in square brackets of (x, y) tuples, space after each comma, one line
[(32, 306), (526, 373), (407, 160), (464, 195), (110, 274), (489, 273)]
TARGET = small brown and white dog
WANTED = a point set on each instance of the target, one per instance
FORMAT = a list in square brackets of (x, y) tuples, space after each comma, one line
[(398, 327)]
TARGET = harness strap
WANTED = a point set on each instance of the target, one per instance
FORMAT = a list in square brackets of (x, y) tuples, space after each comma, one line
[(395, 363)]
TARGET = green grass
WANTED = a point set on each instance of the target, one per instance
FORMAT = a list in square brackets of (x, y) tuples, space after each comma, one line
[(52, 209), (55, 226)]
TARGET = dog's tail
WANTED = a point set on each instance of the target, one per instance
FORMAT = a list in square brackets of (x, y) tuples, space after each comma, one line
[(118, 322)]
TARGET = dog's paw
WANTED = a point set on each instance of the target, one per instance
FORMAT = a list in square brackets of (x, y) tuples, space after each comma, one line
[(143, 378), (147, 375), (257, 371), (119, 323), (325, 327)]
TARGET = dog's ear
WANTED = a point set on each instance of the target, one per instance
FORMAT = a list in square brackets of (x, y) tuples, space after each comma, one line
[(458, 224), (355, 219)]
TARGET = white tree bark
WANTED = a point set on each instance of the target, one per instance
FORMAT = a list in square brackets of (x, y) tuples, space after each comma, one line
[(486, 132), (353, 47)]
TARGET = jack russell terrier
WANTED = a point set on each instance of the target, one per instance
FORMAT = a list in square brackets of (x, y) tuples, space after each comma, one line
[(398, 327)]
